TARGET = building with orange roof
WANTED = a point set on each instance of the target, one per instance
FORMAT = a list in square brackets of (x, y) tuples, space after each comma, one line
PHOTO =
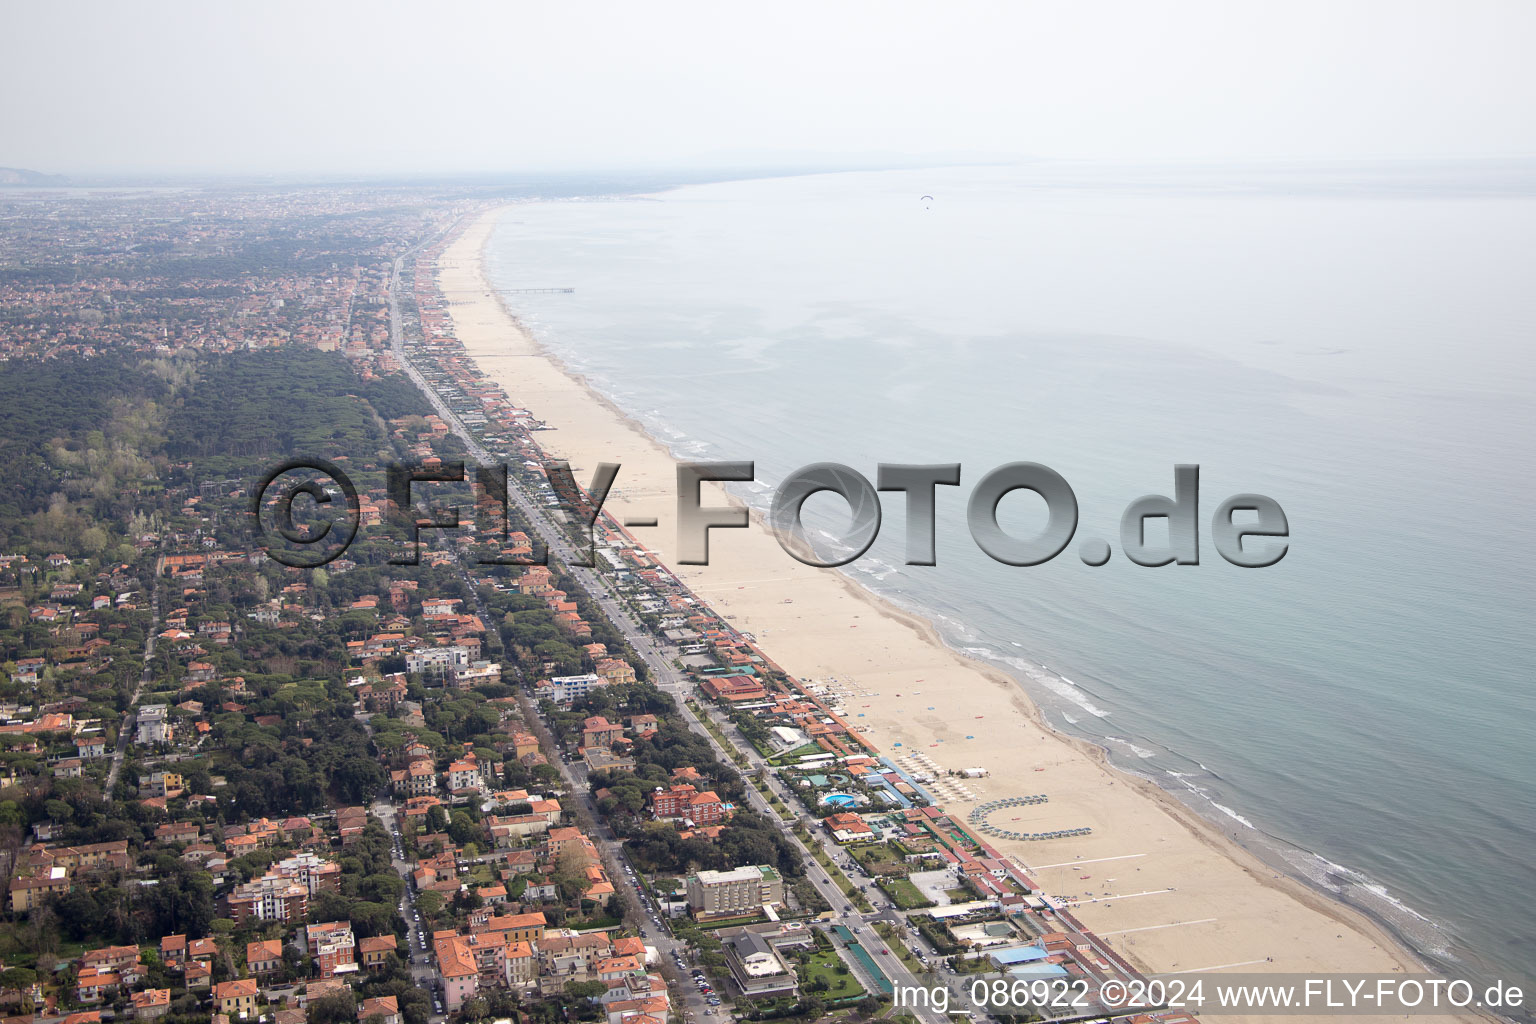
[(456, 966), (151, 1003), (385, 1008), (237, 998), (734, 688), (685, 803), (264, 957), (518, 927), (376, 951), (93, 984), (332, 946), (629, 945)]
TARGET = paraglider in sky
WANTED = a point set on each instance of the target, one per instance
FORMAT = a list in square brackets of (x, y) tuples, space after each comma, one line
[(929, 201)]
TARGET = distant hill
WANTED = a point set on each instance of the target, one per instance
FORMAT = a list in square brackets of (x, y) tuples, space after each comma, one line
[(19, 176)]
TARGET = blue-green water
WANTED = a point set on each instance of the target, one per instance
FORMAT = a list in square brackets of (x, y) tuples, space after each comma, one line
[(1357, 347)]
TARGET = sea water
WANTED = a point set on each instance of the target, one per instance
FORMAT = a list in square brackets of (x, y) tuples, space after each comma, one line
[(1352, 342)]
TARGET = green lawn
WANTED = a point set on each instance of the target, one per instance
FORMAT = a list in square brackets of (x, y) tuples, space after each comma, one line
[(792, 756), (823, 965), (878, 859), (906, 895)]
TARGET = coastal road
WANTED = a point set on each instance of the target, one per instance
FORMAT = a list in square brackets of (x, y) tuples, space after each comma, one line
[(549, 531), (662, 672)]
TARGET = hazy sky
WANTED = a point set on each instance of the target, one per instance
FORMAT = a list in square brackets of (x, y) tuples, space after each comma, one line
[(318, 87)]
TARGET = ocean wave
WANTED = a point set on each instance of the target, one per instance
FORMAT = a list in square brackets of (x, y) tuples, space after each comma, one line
[(1063, 687), (1196, 789), (876, 569), (1380, 891), (1229, 812), (1142, 752)]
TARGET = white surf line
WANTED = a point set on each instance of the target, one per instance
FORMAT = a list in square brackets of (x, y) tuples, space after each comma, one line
[(1155, 927), (1221, 967), (1071, 863), (1121, 896)]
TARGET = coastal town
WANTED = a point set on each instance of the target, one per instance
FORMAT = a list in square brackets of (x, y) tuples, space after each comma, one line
[(702, 513), (454, 773)]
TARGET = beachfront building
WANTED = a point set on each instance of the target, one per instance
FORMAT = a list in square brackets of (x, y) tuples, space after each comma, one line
[(847, 827)]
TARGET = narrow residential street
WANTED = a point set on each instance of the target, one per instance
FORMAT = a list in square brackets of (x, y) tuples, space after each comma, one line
[(131, 716)]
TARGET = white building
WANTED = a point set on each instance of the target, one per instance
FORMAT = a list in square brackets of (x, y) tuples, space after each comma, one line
[(478, 674), (564, 689), (437, 661), (740, 891), (153, 726)]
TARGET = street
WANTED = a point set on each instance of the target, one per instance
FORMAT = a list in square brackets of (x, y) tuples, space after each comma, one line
[(666, 678)]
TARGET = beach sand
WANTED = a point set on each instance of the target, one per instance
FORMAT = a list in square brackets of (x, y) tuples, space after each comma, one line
[(1183, 897)]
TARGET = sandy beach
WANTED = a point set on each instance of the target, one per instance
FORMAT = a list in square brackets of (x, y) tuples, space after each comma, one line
[(1167, 888)]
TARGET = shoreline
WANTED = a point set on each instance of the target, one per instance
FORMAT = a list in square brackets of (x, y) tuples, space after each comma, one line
[(1269, 858), (1230, 903)]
